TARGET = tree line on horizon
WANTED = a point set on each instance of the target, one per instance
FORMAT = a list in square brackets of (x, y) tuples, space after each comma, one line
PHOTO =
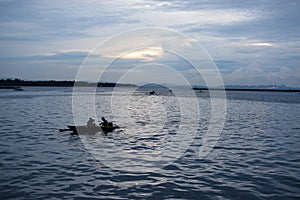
[(19, 82)]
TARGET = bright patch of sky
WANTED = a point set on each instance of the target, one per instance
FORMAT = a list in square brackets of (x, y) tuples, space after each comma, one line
[(251, 42)]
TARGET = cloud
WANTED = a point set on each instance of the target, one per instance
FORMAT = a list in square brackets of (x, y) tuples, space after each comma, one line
[(273, 23), (254, 74), (266, 44), (284, 72), (61, 65), (63, 56), (70, 57), (40, 20), (146, 54)]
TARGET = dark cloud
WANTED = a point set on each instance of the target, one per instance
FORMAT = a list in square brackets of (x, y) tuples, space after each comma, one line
[(61, 56), (226, 64), (34, 20), (72, 55), (275, 20)]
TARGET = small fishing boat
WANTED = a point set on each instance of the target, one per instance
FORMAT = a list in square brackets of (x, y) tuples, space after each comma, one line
[(18, 89), (78, 130), (152, 93)]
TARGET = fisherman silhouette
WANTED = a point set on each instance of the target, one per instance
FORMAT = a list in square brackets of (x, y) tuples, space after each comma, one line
[(104, 122), (91, 122)]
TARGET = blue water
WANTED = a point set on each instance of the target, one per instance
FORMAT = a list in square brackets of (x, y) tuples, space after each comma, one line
[(257, 155)]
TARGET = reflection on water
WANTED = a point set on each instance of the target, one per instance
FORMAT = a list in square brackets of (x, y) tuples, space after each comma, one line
[(257, 155), (156, 131)]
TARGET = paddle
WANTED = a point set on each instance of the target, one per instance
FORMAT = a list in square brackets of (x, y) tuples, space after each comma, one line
[(63, 130)]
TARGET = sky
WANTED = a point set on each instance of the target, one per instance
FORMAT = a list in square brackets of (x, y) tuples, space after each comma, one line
[(251, 42)]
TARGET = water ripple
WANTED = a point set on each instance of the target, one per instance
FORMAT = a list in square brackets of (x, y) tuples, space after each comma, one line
[(256, 157)]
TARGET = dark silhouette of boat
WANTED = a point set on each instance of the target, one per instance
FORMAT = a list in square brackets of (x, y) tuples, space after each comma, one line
[(152, 92), (18, 89), (81, 130)]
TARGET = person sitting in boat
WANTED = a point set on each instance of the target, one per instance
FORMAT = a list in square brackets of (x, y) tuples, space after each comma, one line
[(91, 122), (110, 125), (104, 122)]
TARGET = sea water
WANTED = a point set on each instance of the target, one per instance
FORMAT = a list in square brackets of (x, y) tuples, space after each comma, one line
[(256, 156)]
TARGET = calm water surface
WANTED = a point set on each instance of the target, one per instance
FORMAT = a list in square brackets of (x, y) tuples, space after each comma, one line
[(257, 155)]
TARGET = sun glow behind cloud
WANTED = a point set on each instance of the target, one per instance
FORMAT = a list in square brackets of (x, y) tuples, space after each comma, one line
[(266, 44), (147, 54)]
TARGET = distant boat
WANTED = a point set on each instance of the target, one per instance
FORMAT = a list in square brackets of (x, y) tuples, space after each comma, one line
[(18, 89), (152, 92), (197, 88)]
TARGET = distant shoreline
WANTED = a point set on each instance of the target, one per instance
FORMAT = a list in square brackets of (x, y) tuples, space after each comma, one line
[(250, 89), (16, 84), (12, 83)]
